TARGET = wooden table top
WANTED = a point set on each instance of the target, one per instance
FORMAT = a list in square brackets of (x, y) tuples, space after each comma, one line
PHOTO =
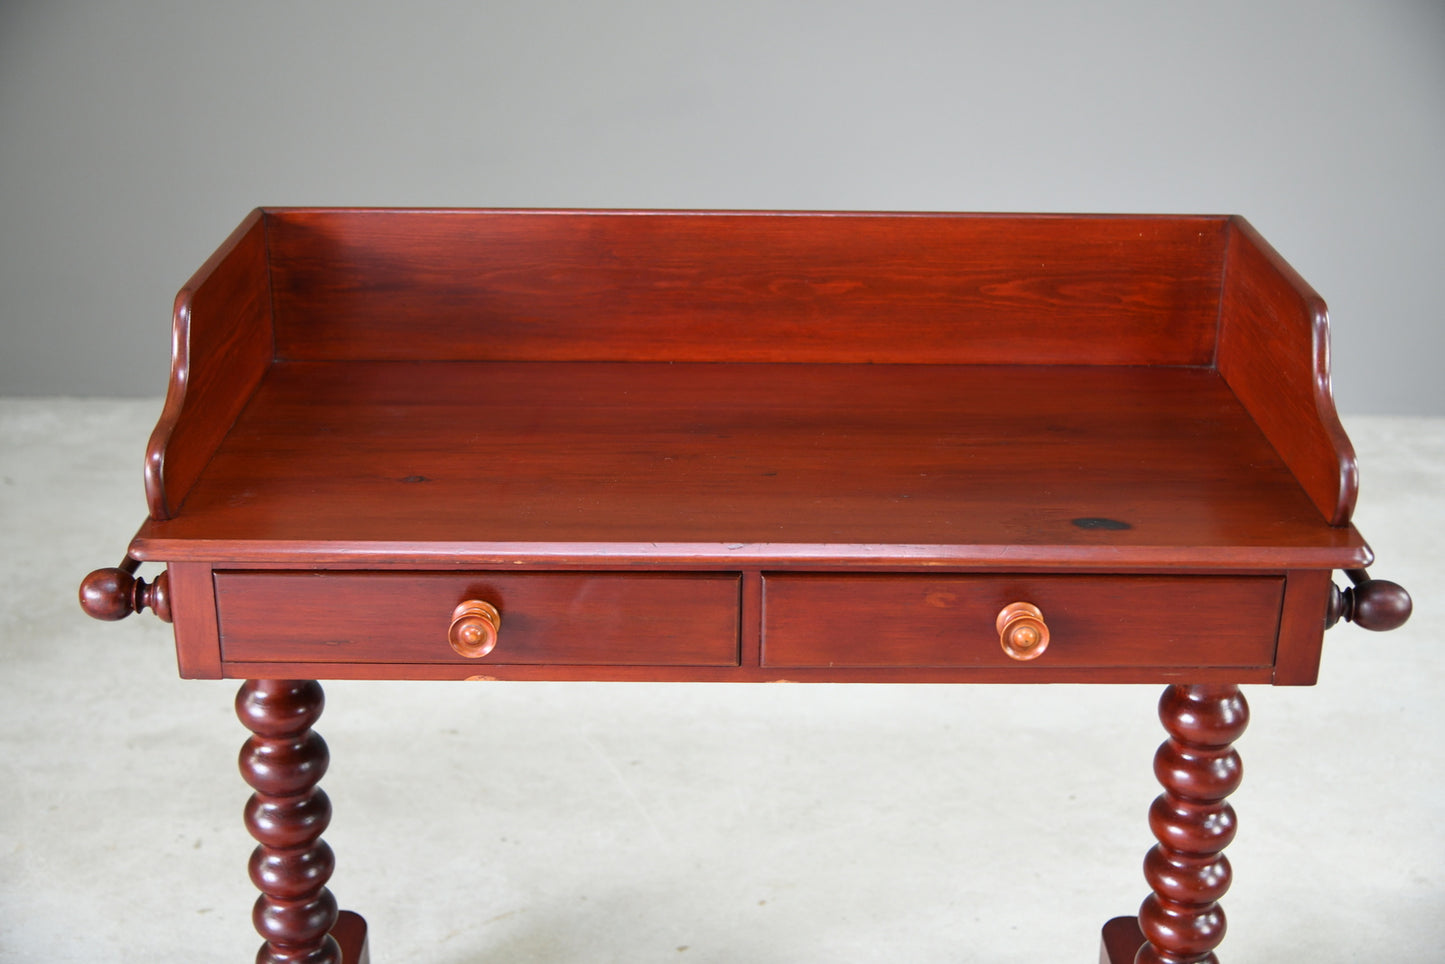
[(738, 464)]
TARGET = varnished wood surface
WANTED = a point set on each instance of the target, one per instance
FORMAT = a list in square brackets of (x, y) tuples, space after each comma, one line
[(843, 438), (305, 598), (745, 286), (660, 673), (1121, 940), (606, 625), (221, 345), (1094, 621), (283, 761), (1198, 768), (349, 932), (547, 618), (1297, 656), (1274, 351), (577, 464), (115, 592), (198, 651), (1378, 605)]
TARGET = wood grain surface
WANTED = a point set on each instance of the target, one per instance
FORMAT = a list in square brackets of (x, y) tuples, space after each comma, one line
[(1274, 351), (749, 446), (221, 345), (576, 464), (547, 618), (745, 286), (948, 620)]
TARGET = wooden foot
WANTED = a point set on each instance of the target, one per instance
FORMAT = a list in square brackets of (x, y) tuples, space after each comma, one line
[(1122, 940), (1181, 921), (350, 934), (283, 761)]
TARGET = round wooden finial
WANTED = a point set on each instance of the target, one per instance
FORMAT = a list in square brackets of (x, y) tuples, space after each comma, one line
[(1378, 605), (114, 593), (1381, 605), (108, 594)]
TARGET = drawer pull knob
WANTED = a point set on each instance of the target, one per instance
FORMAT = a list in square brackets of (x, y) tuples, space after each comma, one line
[(473, 632), (1021, 631)]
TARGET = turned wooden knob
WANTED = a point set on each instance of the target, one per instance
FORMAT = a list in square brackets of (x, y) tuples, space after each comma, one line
[(473, 632), (1021, 631), (1375, 604), (115, 593)]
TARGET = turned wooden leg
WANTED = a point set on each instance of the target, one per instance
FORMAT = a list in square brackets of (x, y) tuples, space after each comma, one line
[(283, 761), (1181, 921)]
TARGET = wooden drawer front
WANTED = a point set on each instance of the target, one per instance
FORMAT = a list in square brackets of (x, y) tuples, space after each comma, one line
[(577, 618), (948, 621)]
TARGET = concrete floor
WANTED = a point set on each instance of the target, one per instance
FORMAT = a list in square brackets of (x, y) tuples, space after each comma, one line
[(591, 823)]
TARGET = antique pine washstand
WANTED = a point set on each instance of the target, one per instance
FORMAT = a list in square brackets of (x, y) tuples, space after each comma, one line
[(748, 446)]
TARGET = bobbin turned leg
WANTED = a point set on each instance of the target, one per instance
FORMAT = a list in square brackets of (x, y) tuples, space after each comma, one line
[(283, 761), (1181, 921)]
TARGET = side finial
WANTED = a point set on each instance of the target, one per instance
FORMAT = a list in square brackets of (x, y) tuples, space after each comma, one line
[(1375, 604), (116, 592)]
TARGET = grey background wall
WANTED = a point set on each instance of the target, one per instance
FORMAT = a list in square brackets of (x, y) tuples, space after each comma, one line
[(134, 135)]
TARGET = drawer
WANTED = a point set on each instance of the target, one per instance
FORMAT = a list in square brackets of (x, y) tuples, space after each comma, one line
[(949, 620), (615, 619)]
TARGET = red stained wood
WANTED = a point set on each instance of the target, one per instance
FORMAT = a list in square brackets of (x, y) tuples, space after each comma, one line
[(740, 286), (1274, 351), (751, 649), (221, 345), (1301, 628), (1187, 871), (756, 446), (734, 466), (1121, 940), (115, 592), (1378, 605), (861, 621), (283, 761), (198, 648), (547, 618), (603, 391), (349, 932), (1015, 673)]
